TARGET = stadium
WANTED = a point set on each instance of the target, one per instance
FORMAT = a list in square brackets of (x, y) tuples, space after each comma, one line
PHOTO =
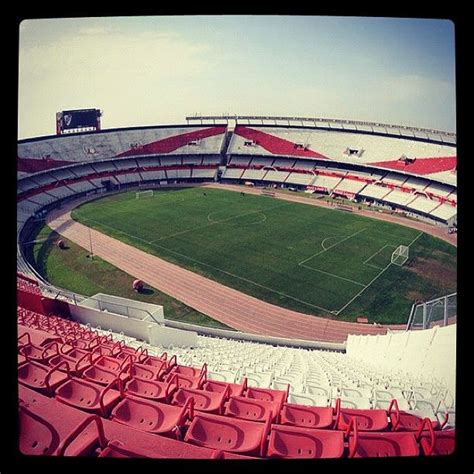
[(237, 287)]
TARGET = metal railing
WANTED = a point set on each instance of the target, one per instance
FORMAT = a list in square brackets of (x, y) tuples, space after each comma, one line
[(403, 130), (439, 311)]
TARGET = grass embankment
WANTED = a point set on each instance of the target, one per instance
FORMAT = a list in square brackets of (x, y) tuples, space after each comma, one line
[(73, 269)]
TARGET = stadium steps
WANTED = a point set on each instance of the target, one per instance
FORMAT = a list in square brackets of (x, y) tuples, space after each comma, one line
[(63, 412), (179, 420)]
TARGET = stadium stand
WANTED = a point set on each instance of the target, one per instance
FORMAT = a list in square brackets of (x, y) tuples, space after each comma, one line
[(276, 176), (63, 412), (86, 391), (399, 198)]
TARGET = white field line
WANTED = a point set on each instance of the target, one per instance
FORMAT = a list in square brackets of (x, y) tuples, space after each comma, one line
[(114, 228), (375, 278), (376, 253), (244, 279), (333, 245), (324, 240), (373, 266), (216, 222), (332, 275), (216, 268), (361, 291), (415, 239)]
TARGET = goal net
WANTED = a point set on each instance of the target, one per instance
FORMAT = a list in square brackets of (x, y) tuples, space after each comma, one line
[(141, 194), (400, 255)]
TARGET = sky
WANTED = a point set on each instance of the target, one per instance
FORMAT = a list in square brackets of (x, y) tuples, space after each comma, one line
[(159, 69)]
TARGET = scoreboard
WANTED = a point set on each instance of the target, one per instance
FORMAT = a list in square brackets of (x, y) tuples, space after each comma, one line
[(76, 121)]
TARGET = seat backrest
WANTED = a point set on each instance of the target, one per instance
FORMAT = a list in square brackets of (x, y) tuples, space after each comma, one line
[(37, 435)]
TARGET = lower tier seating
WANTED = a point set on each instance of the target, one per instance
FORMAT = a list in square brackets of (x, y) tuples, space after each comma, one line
[(82, 393)]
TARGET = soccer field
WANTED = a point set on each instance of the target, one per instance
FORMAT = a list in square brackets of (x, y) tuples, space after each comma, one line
[(310, 259)]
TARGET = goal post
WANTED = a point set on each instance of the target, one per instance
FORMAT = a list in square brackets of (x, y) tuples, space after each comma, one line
[(141, 194), (400, 255)]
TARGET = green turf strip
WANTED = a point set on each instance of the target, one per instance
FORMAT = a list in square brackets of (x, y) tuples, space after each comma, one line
[(73, 270), (310, 259)]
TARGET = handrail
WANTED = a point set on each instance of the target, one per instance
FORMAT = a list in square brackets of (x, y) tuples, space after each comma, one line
[(54, 369), (352, 427), (393, 408), (427, 421), (266, 430), (174, 379), (28, 337), (114, 382), (319, 119), (68, 440)]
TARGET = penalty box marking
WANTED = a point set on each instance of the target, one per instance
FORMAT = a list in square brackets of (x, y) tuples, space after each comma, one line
[(374, 279), (217, 268), (331, 246), (376, 253), (325, 249)]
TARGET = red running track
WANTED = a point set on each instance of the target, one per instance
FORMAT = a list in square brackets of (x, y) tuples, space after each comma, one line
[(238, 310)]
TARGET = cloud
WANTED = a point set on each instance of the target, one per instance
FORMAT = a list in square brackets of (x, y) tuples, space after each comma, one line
[(121, 70)]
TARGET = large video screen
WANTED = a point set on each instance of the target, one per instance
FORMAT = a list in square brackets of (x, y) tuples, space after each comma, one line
[(79, 119)]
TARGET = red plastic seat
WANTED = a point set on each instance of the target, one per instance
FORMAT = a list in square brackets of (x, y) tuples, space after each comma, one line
[(151, 389), (369, 444), (440, 443), (147, 371), (116, 449), (47, 427), (125, 441), (233, 389), (188, 371), (89, 397), (435, 442), (83, 341), (266, 394), (42, 378), (39, 353), (76, 365), (228, 434), (138, 355), (36, 337), (210, 402), (403, 421), (251, 409), (186, 381), (104, 377), (37, 436), (307, 416), (111, 364), (305, 443), (21, 359), (157, 361), (153, 417), (367, 420)]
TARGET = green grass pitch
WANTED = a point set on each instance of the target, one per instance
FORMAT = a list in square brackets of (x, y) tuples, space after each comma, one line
[(310, 259)]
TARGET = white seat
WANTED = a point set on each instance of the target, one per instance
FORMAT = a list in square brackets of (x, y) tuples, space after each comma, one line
[(384, 403), (360, 403), (282, 385), (308, 399), (355, 392), (221, 375), (262, 380), (319, 391), (424, 410)]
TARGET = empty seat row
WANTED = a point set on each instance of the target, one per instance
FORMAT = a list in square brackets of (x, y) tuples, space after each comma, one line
[(49, 429)]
